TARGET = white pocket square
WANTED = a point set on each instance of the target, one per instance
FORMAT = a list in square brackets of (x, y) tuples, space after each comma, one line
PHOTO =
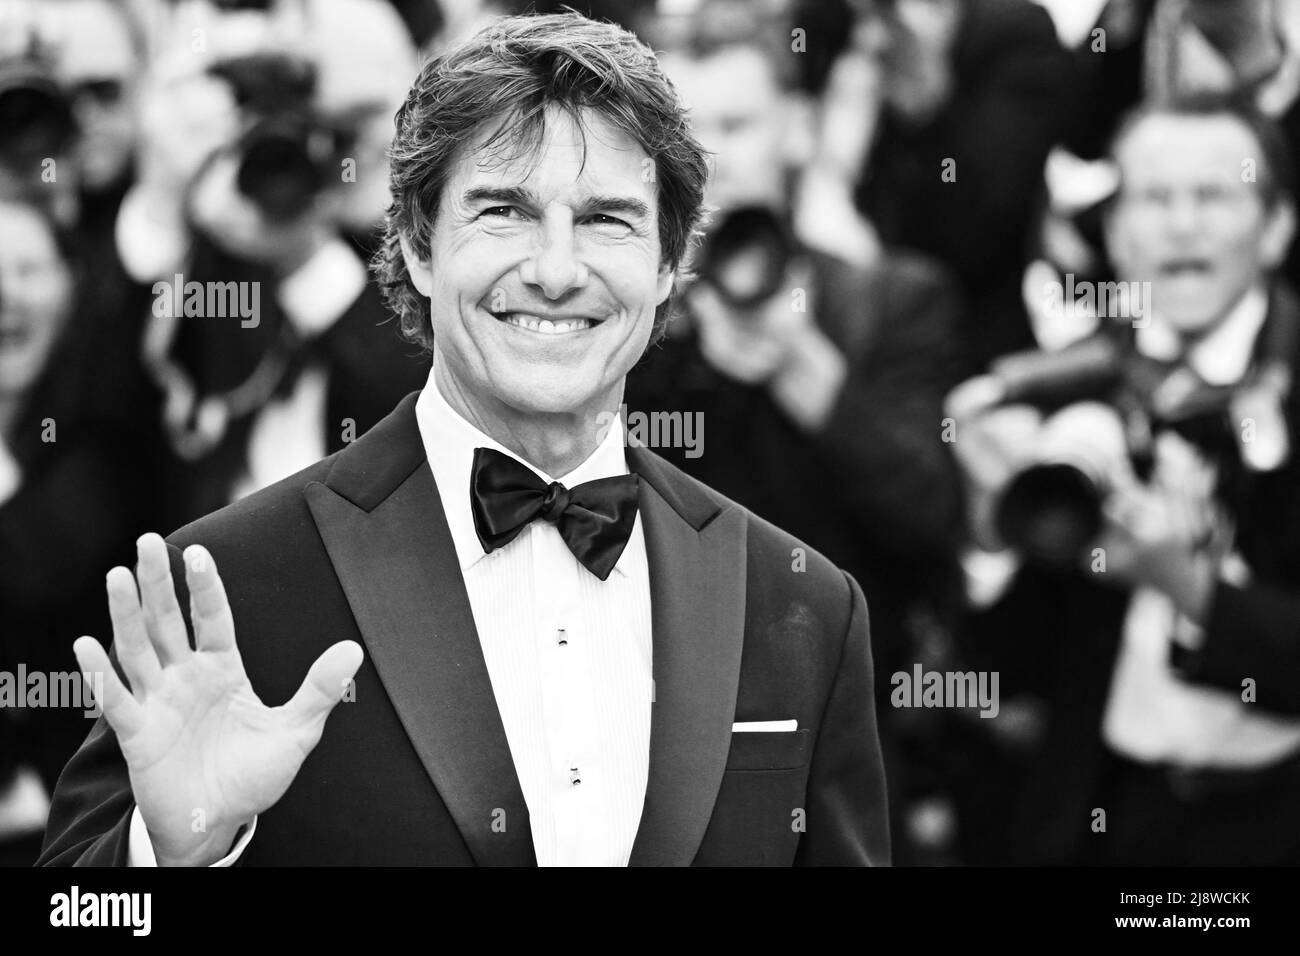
[(764, 726)]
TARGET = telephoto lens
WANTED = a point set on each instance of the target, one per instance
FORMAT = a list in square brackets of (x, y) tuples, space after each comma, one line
[(745, 256), (35, 117), (1052, 510)]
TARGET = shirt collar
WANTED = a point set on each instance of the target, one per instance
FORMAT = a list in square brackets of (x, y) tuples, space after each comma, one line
[(1223, 355), (449, 443)]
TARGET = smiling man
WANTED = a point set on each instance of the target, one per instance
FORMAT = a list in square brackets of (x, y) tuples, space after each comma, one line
[(551, 648)]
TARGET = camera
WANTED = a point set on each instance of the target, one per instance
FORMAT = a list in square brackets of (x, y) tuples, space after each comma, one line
[(745, 256), (287, 152), (36, 119), (1100, 399)]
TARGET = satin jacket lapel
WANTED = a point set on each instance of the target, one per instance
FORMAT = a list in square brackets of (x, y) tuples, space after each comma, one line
[(696, 552), (381, 519)]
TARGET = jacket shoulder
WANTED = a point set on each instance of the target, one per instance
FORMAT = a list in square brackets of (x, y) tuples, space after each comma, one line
[(778, 561), (253, 515)]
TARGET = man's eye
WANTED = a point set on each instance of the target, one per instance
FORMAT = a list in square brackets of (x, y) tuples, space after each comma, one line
[(1154, 196), (601, 219), (507, 212)]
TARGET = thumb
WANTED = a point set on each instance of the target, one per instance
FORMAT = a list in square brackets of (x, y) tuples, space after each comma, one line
[(326, 681)]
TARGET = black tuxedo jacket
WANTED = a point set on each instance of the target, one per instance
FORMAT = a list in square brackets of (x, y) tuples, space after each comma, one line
[(417, 769)]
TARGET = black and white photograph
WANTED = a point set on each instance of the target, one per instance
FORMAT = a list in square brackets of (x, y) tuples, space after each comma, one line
[(651, 433)]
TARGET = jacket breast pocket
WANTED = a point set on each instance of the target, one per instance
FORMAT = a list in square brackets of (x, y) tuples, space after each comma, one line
[(762, 750)]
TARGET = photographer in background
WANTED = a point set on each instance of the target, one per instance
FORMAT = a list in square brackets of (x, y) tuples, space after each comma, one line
[(69, 501), (971, 97), (1133, 503), (97, 57), (264, 170), (820, 383)]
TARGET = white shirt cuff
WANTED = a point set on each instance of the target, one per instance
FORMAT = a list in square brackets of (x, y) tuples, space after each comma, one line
[(11, 474), (988, 575), (152, 242), (140, 853), (316, 294)]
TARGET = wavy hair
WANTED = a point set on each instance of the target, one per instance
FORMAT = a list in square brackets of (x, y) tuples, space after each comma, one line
[(509, 73)]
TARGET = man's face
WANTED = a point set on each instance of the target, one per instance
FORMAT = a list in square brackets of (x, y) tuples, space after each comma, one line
[(35, 294), (544, 273), (912, 40), (96, 62), (739, 113), (1189, 220)]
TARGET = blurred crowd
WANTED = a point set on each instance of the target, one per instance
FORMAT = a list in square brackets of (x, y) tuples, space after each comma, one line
[(993, 308)]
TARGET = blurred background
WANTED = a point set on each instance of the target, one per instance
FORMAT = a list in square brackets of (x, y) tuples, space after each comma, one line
[(993, 308)]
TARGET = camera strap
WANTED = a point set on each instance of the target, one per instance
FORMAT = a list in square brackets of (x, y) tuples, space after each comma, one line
[(1253, 409)]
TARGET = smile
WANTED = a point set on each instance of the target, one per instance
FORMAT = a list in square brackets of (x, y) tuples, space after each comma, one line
[(543, 326)]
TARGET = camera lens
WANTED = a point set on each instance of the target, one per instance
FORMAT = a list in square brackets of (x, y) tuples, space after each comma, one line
[(277, 170), (745, 257), (34, 121), (1051, 512)]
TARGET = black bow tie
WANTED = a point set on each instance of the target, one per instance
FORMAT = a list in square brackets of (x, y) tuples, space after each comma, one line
[(594, 518)]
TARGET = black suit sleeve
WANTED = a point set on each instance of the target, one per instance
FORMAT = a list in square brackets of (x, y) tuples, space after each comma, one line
[(1252, 632), (883, 439), (90, 818), (847, 812)]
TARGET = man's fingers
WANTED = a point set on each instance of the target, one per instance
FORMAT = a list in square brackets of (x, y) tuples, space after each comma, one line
[(121, 709), (136, 653), (327, 681), (974, 396), (162, 613), (214, 627)]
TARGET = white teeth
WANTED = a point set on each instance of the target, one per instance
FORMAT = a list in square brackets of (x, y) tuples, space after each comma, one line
[(545, 326)]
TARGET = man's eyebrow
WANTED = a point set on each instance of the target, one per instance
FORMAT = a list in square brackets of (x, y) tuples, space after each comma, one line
[(519, 196), (502, 195), (621, 204)]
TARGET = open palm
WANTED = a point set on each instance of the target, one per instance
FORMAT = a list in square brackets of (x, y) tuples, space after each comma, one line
[(204, 754)]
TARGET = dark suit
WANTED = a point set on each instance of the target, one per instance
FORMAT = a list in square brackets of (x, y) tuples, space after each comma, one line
[(417, 769)]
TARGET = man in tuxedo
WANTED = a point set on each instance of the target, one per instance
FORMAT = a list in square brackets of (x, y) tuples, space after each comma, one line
[(1167, 659), (615, 665)]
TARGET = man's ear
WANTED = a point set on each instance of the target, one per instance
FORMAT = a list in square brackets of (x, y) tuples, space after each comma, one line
[(417, 268), (664, 284), (1279, 230)]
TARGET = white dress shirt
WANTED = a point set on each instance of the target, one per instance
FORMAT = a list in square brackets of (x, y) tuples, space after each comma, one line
[(568, 655), (289, 433)]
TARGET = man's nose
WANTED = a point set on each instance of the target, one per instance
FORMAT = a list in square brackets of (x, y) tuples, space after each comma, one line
[(554, 267), (1183, 215)]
